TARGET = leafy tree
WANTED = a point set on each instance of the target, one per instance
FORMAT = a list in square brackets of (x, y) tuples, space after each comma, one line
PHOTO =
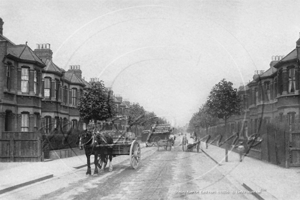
[(96, 103), (194, 123), (223, 101), (135, 110), (206, 119)]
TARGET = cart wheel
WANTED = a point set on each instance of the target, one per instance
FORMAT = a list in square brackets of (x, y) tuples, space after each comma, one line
[(135, 154)]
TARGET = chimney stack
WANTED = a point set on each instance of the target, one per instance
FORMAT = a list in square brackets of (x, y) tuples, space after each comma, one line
[(76, 70), (1, 26), (43, 51)]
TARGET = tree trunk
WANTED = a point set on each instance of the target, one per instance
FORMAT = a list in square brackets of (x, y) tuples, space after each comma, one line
[(226, 146)]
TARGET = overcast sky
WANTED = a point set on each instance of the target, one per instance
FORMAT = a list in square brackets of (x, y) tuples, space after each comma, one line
[(165, 55)]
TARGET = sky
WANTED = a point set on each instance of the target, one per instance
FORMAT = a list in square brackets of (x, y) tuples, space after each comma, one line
[(165, 55)]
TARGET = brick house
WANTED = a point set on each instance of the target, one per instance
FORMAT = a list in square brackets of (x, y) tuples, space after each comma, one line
[(271, 95), (34, 91)]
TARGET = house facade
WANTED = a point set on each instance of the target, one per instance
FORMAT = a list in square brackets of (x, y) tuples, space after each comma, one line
[(272, 96), (34, 92)]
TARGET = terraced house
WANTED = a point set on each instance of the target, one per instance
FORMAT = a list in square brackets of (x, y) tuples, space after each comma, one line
[(34, 91), (272, 95)]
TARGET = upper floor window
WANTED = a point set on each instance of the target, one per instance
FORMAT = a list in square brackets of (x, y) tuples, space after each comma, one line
[(65, 95), (24, 122), (267, 91), (8, 80), (292, 80), (47, 87), (35, 82), (275, 88), (74, 96), (25, 80), (280, 82), (57, 86)]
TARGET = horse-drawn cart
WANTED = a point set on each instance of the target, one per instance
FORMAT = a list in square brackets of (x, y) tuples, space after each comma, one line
[(125, 144), (160, 136), (104, 145), (190, 147)]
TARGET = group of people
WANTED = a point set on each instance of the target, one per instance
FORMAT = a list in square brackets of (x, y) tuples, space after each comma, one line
[(189, 144)]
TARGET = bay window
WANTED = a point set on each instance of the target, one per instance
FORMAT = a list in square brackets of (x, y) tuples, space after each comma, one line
[(74, 96), (24, 122), (25, 80), (292, 80), (8, 80), (47, 87), (35, 83)]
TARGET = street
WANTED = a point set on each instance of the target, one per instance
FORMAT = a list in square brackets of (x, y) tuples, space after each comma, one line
[(161, 175)]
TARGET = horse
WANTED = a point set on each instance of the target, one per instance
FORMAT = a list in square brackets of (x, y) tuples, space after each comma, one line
[(105, 152), (88, 141)]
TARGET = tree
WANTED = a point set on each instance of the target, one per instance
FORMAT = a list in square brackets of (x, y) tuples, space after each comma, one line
[(205, 118), (135, 110), (97, 103), (223, 101)]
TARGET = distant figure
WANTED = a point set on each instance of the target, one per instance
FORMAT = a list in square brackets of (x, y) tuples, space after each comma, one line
[(184, 142), (172, 138)]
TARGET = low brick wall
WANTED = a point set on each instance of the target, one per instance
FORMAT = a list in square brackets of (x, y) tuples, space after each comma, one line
[(65, 153)]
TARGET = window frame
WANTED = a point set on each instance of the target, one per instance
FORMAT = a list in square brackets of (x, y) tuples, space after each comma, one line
[(8, 77), (25, 80), (25, 122), (48, 89), (48, 124), (291, 80), (74, 96)]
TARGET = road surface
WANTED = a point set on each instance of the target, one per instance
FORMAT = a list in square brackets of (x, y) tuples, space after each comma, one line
[(161, 175)]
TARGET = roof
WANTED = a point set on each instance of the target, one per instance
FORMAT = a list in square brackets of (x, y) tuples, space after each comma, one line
[(292, 55), (3, 38), (269, 72), (289, 57), (51, 67), (71, 76), (24, 53)]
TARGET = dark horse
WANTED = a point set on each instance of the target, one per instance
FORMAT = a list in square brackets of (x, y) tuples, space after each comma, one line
[(90, 141)]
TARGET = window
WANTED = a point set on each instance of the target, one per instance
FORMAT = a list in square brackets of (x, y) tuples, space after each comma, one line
[(267, 91), (275, 88), (47, 87), (56, 122), (35, 82), (292, 80), (74, 96), (54, 92), (8, 77), (24, 122), (291, 118), (280, 82), (74, 123), (65, 95), (255, 96), (57, 86), (48, 124), (281, 117), (25, 80)]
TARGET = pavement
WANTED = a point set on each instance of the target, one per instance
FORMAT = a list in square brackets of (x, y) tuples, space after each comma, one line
[(15, 175), (262, 179)]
